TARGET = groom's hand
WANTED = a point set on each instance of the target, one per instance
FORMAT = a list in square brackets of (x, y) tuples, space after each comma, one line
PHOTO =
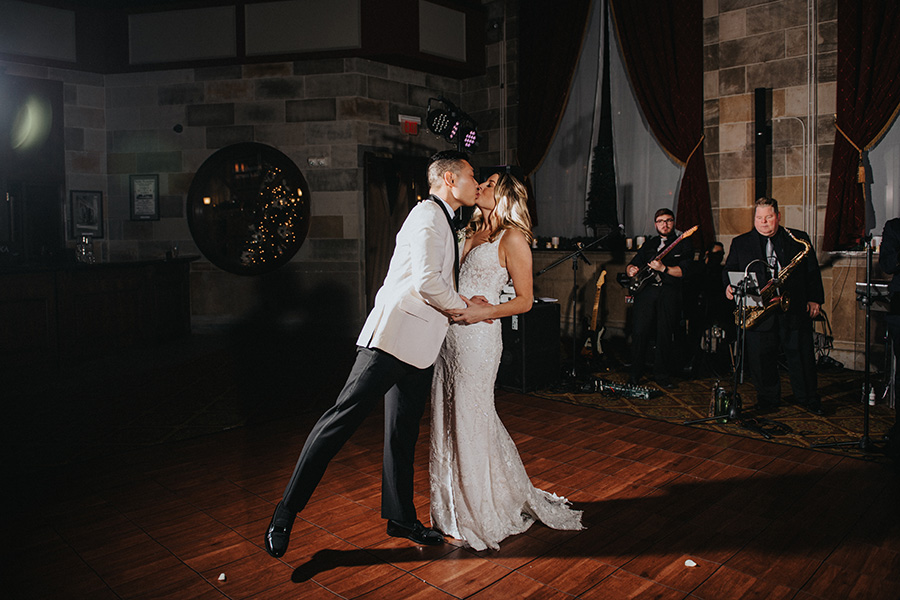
[(477, 310)]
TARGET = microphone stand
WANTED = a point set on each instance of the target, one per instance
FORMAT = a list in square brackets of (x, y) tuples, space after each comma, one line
[(864, 443), (735, 404), (574, 256)]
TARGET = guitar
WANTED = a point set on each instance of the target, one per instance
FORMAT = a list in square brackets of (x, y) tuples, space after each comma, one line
[(592, 347), (646, 275)]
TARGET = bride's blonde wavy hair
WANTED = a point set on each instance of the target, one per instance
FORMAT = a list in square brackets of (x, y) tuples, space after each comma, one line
[(510, 212)]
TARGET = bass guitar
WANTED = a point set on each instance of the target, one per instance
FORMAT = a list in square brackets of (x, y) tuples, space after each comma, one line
[(592, 347), (645, 276)]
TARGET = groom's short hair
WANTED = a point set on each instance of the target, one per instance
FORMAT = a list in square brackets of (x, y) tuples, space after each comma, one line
[(443, 161)]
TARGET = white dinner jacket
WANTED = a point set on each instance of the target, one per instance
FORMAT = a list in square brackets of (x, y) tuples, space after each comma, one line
[(405, 321)]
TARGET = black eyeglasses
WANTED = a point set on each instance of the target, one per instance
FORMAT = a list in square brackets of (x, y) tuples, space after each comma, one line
[(665, 220)]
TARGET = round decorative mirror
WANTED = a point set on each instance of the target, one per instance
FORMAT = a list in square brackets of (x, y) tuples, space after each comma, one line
[(248, 208)]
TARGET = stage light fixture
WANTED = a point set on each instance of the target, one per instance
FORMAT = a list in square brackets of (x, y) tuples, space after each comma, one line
[(452, 124), (439, 121), (452, 132), (469, 138)]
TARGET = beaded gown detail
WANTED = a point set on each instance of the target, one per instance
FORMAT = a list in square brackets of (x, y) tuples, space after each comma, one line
[(480, 491)]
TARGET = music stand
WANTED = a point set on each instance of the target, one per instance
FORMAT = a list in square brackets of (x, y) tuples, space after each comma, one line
[(865, 298), (574, 257), (744, 286)]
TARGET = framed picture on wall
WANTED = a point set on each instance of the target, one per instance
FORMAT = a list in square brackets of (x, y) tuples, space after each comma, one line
[(86, 209), (144, 191)]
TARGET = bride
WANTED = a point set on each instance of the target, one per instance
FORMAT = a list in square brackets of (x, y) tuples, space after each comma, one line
[(480, 492)]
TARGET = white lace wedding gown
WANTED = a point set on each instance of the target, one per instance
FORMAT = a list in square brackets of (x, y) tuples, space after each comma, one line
[(480, 492)]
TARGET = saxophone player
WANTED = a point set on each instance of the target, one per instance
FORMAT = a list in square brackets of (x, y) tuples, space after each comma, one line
[(767, 250)]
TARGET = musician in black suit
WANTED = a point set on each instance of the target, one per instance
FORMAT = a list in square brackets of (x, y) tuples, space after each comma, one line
[(790, 331), (889, 260), (657, 307)]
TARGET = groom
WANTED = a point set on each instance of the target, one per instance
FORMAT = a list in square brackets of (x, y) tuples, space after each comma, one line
[(397, 349)]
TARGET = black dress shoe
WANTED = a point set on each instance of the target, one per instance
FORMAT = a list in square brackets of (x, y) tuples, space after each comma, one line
[(417, 533), (278, 535)]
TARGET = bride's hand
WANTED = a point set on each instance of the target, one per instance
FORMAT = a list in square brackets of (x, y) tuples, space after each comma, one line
[(477, 310)]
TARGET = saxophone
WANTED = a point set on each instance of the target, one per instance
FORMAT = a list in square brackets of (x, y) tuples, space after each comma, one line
[(771, 299)]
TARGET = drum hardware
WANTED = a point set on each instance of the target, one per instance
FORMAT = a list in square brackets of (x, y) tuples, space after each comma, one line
[(823, 342), (712, 338)]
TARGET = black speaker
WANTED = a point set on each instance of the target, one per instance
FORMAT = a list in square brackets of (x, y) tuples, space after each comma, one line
[(530, 359)]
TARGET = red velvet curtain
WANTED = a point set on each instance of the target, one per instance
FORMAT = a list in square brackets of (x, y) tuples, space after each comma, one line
[(662, 42), (550, 39), (868, 97)]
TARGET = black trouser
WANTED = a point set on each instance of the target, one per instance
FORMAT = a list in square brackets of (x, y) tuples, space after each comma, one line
[(656, 313), (794, 335), (405, 389)]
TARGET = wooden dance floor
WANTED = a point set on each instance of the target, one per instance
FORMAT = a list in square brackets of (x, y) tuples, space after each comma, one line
[(671, 512)]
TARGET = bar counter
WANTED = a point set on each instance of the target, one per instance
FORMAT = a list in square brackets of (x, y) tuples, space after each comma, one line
[(54, 316)]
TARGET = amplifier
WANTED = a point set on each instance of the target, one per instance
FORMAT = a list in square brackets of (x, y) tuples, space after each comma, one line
[(531, 345)]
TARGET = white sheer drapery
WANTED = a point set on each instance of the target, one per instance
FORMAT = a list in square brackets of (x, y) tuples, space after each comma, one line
[(885, 161), (646, 178)]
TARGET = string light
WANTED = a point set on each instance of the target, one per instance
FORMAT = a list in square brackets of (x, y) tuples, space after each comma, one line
[(274, 230)]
